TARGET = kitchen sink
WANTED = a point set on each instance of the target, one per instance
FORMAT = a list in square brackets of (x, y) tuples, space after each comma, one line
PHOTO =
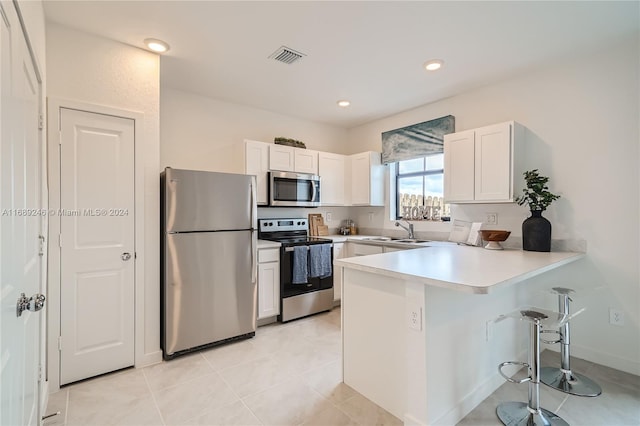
[(409, 240)]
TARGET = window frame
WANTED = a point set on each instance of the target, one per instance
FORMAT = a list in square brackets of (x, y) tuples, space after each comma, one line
[(413, 174)]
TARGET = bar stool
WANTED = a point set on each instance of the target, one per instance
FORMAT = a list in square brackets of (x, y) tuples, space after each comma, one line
[(563, 379), (530, 413)]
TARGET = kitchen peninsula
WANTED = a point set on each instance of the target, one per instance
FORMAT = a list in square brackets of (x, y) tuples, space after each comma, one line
[(418, 332)]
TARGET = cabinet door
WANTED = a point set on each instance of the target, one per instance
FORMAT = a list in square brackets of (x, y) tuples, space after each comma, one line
[(281, 157), (331, 168), (306, 161), (459, 167), (338, 253), (268, 289), (365, 249), (493, 163), (256, 162), (360, 179)]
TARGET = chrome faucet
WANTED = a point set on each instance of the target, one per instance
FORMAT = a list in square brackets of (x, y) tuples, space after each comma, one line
[(409, 229)]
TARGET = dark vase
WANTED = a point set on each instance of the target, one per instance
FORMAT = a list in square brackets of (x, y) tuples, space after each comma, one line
[(536, 232)]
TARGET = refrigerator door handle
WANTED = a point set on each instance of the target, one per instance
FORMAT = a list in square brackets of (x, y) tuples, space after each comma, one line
[(254, 255), (254, 204)]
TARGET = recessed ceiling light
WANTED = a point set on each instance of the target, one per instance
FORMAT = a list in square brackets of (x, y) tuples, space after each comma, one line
[(156, 45), (344, 103), (434, 64)]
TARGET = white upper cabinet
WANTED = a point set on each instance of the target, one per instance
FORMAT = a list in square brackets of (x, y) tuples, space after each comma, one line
[(367, 179), (331, 168), (256, 162), (306, 161), (290, 159), (459, 166), (484, 165), (281, 157)]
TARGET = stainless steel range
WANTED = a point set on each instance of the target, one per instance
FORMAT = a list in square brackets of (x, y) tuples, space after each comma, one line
[(299, 297)]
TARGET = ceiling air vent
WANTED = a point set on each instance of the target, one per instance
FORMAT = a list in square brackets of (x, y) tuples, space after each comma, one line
[(286, 55)]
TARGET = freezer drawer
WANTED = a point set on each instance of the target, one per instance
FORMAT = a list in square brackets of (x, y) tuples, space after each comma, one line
[(209, 290)]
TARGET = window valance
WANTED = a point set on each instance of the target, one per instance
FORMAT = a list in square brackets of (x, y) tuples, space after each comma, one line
[(417, 140)]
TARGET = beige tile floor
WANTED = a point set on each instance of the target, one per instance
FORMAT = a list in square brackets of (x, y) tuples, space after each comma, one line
[(289, 374)]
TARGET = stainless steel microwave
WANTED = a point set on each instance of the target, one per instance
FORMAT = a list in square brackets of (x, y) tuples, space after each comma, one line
[(287, 189)]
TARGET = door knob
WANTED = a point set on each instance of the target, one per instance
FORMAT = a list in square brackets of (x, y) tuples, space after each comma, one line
[(33, 304), (125, 256)]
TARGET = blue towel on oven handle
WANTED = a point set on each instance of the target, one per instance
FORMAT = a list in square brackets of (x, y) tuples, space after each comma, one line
[(300, 265), (320, 260)]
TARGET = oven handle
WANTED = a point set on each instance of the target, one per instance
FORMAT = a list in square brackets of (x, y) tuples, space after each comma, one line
[(287, 249)]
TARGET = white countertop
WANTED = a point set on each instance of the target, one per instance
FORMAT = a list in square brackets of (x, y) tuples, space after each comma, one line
[(265, 244), (343, 238), (470, 269)]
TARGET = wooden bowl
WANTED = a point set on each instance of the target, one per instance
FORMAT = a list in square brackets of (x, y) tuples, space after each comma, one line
[(494, 237)]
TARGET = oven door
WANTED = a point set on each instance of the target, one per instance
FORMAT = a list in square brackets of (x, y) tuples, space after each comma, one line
[(287, 288), (294, 189)]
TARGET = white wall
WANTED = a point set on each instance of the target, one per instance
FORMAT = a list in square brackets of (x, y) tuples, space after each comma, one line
[(82, 67), (582, 118), (201, 133)]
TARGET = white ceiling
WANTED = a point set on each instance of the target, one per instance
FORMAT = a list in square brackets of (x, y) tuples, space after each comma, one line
[(368, 52)]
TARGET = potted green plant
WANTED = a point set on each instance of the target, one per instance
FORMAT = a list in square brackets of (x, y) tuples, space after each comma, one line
[(536, 229)]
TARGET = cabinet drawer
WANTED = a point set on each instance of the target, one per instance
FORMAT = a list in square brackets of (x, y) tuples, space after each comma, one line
[(268, 255), (365, 249)]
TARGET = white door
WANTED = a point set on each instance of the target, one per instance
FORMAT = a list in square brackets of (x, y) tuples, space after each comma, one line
[(20, 225), (281, 158), (306, 161), (360, 179), (331, 169), (97, 244)]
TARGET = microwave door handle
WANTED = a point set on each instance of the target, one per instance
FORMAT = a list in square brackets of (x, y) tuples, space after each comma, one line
[(314, 190)]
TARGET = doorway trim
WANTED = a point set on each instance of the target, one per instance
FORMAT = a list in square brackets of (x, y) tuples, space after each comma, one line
[(53, 141)]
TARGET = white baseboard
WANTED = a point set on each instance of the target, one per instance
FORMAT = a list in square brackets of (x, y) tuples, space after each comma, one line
[(474, 398), (603, 358), (149, 359), (409, 420)]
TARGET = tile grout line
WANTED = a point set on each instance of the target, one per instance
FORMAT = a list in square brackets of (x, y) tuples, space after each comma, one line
[(153, 397), (232, 390)]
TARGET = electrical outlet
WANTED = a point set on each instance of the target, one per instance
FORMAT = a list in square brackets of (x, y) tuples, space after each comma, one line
[(616, 317), (491, 219), (329, 216), (370, 217), (415, 317)]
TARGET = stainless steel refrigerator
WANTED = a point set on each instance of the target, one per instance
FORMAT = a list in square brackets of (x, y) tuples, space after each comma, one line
[(208, 259)]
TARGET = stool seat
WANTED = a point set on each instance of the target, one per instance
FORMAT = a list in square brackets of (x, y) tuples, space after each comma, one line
[(544, 317)]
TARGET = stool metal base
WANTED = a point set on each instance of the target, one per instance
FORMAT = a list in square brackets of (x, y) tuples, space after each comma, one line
[(573, 383), (519, 414)]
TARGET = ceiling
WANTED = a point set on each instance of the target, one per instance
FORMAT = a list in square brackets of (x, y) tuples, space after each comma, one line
[(370, 53)]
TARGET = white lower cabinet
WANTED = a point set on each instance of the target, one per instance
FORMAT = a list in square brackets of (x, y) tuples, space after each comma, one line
[(268, 282), (338, 253)]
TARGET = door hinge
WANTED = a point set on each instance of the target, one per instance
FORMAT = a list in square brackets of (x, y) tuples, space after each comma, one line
[(59, 343), (39, 373), (60, 138), (41, 239), (60, 240), (40, 121)]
